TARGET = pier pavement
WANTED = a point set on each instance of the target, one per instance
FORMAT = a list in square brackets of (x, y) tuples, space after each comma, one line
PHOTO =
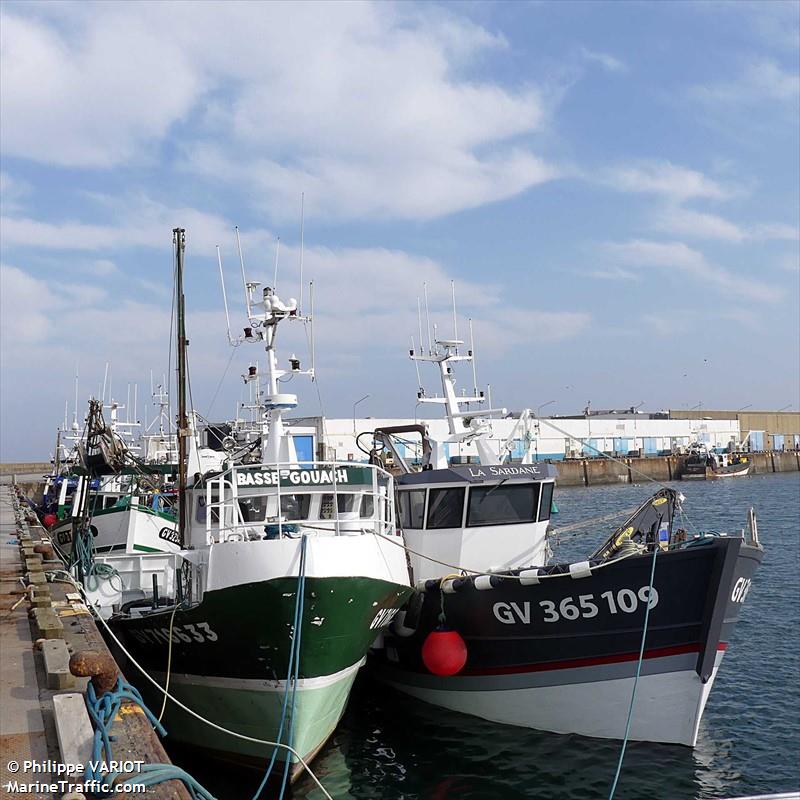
[(22, 726), (43, 718)]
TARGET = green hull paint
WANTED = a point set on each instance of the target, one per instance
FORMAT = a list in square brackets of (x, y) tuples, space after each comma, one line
[(257, 714), (245, 631)]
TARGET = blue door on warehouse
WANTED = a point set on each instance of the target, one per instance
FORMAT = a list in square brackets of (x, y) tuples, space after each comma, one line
[(757, 440), (304, 447), (650, 444), (622, 446), (777, 441), (590, 447)]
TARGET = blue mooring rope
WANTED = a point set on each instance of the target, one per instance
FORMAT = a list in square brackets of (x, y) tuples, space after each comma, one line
[(638, 672), (103, 711), (292, 671)]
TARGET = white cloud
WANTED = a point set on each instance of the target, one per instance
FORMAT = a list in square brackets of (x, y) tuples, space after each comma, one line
[(26, 304), (338, 188), (607, 61), (790, 262), (136, 222), (665, 324), (95, 96), (685, 222), (776, 230), (700, 225), (612, 274), (103, 268), (364, 106), (677, 256), (761, 80), (12, 193), (665, 179)]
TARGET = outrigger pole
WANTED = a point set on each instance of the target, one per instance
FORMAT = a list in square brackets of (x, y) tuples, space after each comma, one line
[(179, 243)]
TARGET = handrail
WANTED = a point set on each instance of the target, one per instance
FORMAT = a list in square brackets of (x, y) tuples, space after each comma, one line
[(225, 483), (305, 465), (241, 528)]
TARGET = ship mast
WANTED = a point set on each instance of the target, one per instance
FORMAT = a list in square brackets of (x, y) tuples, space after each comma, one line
[(179, 243)]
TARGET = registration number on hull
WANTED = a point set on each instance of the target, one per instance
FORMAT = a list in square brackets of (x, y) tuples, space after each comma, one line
[(200, 633), (582, 606)]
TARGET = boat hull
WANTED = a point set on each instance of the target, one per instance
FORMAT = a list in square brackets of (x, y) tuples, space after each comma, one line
[(253, 707), (132, 528), (702, 472), (231, 651), (561, 655), (590, 701)]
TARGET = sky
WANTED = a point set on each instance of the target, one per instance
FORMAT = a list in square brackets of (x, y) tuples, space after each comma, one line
[(614, 188)]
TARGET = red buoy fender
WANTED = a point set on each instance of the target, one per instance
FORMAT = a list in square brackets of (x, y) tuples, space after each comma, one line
[(50, 520), (444, 652)]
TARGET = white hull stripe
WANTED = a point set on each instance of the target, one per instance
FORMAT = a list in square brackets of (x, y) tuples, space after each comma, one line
[(528, 680), (256, 684), (668, 706)]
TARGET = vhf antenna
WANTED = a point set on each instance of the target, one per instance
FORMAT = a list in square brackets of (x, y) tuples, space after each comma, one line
[(302, 225), (455, 318), (224, 296), (416, 362), (244, 277), (277, 253), (75, 416), (472, 355), (311, 315), (427, 317)]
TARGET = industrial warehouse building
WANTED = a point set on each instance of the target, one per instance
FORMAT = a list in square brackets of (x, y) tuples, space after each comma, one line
[(556, 438)]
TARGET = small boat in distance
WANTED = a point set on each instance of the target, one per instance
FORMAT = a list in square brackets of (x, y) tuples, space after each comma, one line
[(704, 464)]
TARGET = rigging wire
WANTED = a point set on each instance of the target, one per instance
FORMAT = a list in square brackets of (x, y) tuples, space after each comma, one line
[(505, 576)]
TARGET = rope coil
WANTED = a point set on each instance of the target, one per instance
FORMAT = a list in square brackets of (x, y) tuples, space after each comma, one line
[(102, 711)]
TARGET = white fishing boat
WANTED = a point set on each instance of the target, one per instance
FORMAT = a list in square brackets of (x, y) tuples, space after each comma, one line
[(497, 631), (285, 573), (702, 463)]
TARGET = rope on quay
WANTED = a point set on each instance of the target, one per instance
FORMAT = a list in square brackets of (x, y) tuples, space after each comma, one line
[(194, 713), (103, 711)]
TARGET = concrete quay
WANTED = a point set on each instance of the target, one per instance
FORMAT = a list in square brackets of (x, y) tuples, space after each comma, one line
[(43, 717), (599, 471)]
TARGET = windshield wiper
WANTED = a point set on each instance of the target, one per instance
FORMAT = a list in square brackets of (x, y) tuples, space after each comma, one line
[(494, 488)]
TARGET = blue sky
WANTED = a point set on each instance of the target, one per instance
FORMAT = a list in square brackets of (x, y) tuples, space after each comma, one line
[(614, 187)]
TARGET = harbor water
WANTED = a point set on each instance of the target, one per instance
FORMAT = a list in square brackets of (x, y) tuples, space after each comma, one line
[(391, 747)]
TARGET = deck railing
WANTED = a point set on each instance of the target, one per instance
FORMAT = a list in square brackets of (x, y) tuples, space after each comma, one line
[(226, 492)]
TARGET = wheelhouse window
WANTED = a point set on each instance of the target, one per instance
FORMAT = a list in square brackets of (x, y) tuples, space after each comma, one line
[(253, 508), (367, 506), (445, 508), (545, 507), (347, 503), (502, 504), (295, 506), (412, 508)]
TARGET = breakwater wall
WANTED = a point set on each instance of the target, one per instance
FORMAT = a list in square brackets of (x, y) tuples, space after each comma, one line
[(26, 467), (599, 471)]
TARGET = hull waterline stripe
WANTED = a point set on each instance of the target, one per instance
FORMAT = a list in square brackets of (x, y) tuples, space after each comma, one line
[(588, 662)]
